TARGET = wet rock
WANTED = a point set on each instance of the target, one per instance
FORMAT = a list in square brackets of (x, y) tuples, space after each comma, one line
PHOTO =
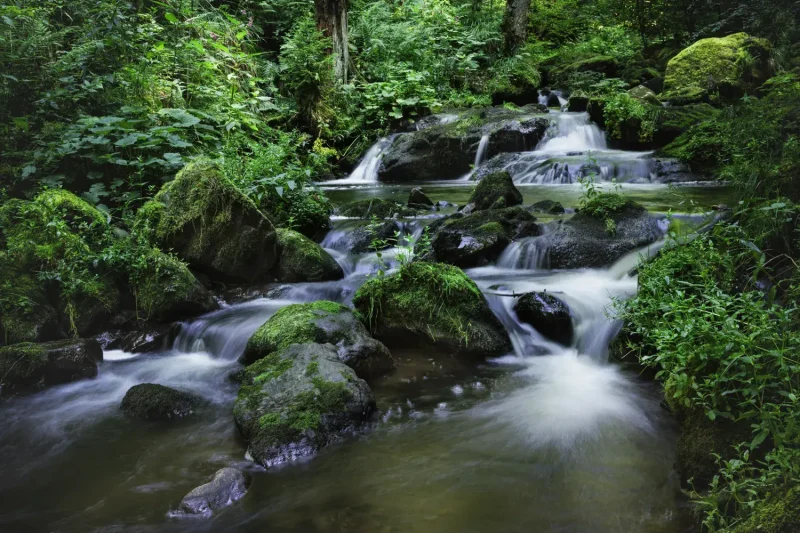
[(301, 260), (374, 207), (479, 238), (729, 67), (28, 367), (578, 104), (494, 191), (656, 84), (645, 95), (534, 108), (669, 170), (553, 101), (584, 241), (150, 340), (432, 304), (547, 314), (298, 400), (673, 121), (419, 199), (447, 150), (204, 218), (153, 402), (226, 487), (373, 238), (321, 322), (547, 206)]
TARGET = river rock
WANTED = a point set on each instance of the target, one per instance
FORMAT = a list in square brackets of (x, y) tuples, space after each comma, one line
[(645, 95), (495, 191), (447, 150), (226, 487), (547, 314), (298, 400), (432, 304), (418, 199), (373, 237), (321, 322), (301, 260), (153, 402), (374, 207), (728, 67), (547, 206), (28, 367), (578, 104), (553, 101), (585, 242), (479, 238), (204, 218)]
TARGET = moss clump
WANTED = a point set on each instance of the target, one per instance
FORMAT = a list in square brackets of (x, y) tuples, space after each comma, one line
[(270, 367), (494, 191), (434, 302), (779, 513), (77, 212), (21, 364), (301, 259), (293, 324), (729, 66), (374, 207), (306, 410)]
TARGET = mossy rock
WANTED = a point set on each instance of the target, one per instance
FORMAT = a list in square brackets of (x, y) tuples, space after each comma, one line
[(418, 199), (478, 238), (606, 65), (26, 315), (373, 238), (547, 206), (434, 304), (673, 121), (374, 207), (592, 241), (153, 402), (645, 95), (723, 67), (778, 513), (28, 367), (298, 400), (211, 225), (167, 291), (321, 322), (496, 189), (300, 259)]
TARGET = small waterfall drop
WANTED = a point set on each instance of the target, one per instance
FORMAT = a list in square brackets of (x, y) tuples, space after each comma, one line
[(367, 169), (480, 155), (573, 132)]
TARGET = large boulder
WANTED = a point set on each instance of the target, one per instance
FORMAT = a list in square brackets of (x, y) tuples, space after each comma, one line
[(153, 402), (226, 487), (298, 400), (210, 224), (323, 323), (374, 207), (433, 304), (594, 240), (494, 191), (547, 314), (479, 238), (417, 198), (447, 150), (723, 67), (301, 259), (28, 367)]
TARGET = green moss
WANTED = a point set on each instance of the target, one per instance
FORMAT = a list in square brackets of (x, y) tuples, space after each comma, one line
[(293, 324), (779, 513), (606, 205), (306, 410), (373, 207), (492, 227), (301, 259), (76, 211), (270, 367), (496, 190), (20, 364), (162, 284), (731, 65)]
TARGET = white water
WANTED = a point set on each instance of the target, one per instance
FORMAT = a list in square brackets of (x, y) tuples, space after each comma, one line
[(367, 169), (573, 132), (480, 155)]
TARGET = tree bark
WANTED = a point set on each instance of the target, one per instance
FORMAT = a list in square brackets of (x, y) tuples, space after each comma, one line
[(515, 24), (332, 20)]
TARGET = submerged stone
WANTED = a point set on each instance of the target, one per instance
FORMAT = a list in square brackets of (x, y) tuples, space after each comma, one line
[(226, 487), (433, 304), (153, 402), (298, 400), (321, 322), (301, 260), (547, 314)]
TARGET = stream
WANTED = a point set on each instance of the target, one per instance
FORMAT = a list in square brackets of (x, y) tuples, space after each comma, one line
[(549, 438)]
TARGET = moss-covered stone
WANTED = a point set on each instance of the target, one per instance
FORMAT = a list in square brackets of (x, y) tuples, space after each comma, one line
[(297, 401), (25, 313), (435, 304), (211, 225), (673, 121), (493, 188), (778, 513), (374, 207), (725, 66), (547, 206), (28, 367), (320, 322), (301, 259), (645, 95), (153, 402)]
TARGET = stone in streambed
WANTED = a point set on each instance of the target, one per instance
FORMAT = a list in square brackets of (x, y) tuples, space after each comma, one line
[(495, 191), (153, 402), (321, 322), (301, 260), (547, 206), (547, 314), (418, 199), (374, 207), (434, 304), (28, 367), (298, 400), (226, 487), (373, 238)]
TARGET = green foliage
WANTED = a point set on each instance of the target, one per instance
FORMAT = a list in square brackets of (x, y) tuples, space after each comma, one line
[(621, 108)]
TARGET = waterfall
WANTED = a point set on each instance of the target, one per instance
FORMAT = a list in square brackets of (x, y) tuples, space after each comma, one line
[(526, 254), (573, 132), (480, 155), (367, 169)]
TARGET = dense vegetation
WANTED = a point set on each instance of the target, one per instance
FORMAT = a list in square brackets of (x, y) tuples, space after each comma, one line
[(102, 102)]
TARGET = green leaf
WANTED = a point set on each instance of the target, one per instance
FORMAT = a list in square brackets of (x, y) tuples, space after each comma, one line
[(758, 439), (171, 18), (128, 140), (28, 170), (184, 118)]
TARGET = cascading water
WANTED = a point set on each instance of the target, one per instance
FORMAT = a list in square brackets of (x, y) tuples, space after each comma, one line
[(367, 169), (480, 155)]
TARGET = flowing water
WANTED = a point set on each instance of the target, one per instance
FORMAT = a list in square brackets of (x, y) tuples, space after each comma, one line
[(548, 438)]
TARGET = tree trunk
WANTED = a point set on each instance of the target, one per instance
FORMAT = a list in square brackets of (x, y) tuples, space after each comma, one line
[(332, 20), (515, 24)]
